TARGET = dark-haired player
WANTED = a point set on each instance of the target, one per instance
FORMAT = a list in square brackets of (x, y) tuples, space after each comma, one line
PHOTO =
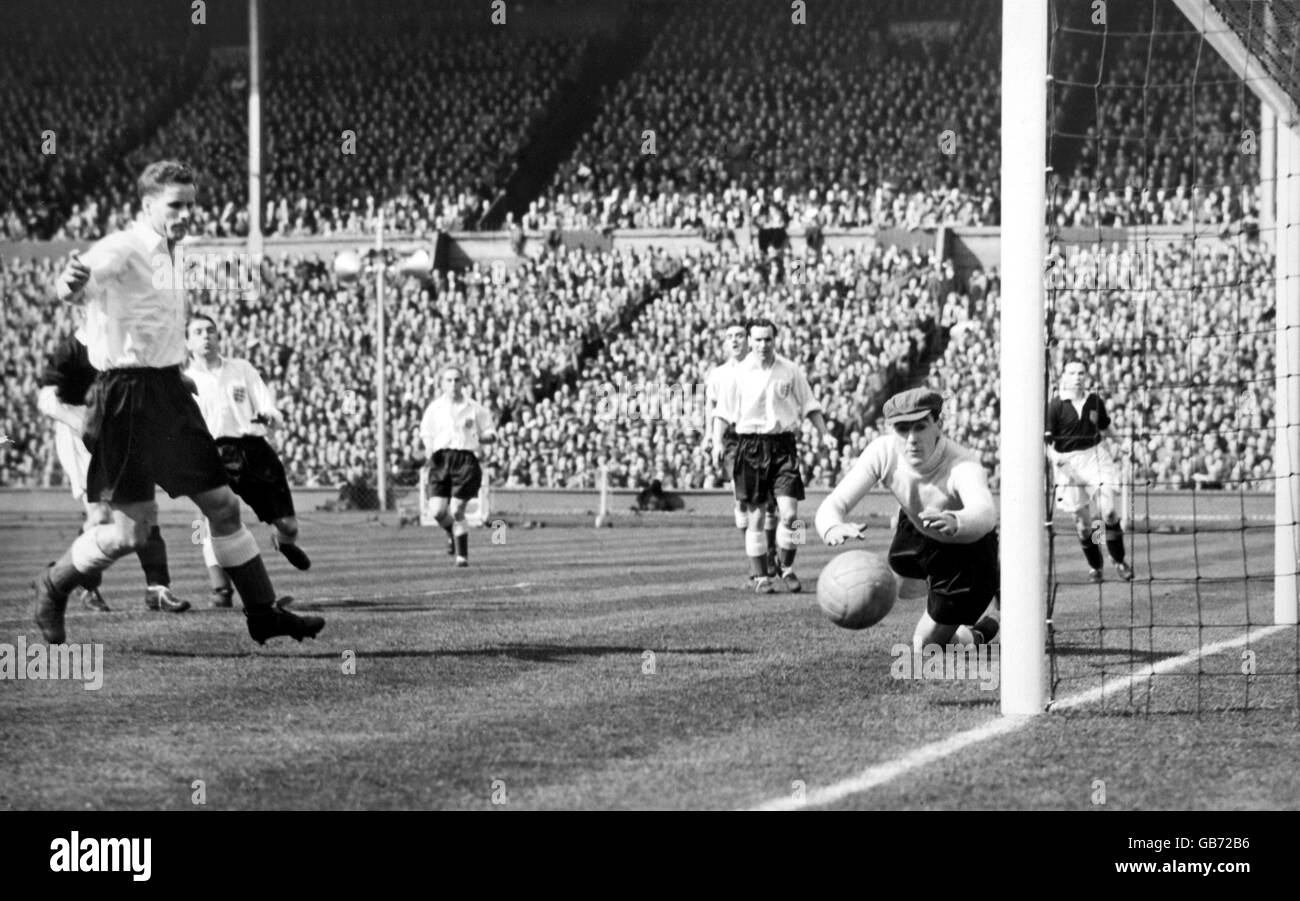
[(237, 406), (64, 383), (766, 403), (454, 428), (143, 427), (1085, 472), (945, 545)]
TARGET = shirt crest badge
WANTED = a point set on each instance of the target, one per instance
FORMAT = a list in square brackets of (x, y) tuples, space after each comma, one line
[(238, 394), (783, 389)]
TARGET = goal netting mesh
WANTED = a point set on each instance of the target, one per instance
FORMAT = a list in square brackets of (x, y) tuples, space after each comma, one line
[(1161, 279)]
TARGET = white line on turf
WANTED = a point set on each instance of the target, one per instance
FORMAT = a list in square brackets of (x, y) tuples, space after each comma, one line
[(878, 775)]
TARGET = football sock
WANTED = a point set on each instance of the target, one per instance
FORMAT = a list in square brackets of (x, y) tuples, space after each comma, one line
[(756, 550), (1115, 541), (217, 579), (92, 581), (239, 557), (62, 576), (153, 559), (1091, 552), (783, 538), (460, 535)]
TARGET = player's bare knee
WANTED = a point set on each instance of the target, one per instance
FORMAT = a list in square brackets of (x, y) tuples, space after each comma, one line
[(223, 514), (287, 526)]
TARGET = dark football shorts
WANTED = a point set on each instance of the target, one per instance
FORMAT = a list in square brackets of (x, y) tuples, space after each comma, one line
[(257, 476), (729, 442), (454, 473), (963, 578), (144, 428), (767, 466)]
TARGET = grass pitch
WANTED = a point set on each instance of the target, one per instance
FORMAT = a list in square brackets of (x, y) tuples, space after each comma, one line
[(624, 668)]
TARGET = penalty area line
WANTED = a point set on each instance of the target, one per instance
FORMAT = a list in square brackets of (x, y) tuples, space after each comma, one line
[(878, 775)]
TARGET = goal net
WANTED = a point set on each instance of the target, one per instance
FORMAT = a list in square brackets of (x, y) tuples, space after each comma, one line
[(1170, 292)]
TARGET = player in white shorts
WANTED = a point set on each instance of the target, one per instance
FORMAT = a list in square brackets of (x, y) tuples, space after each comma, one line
[(454, 429), (1087, 479)]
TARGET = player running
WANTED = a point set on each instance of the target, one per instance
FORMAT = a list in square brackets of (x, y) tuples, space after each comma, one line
[(238, 406), (946, 542), (64, 383), (1085, 472), (143, 426), (453, 429), (766, 403)]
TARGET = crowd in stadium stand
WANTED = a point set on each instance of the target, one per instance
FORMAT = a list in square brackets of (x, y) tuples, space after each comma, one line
[(1185, 367), (740, 120), (590, 360), (881, 115), (428, 134), (63, 119), (1158, 128)]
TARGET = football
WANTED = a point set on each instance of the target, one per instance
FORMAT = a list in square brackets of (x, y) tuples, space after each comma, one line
[(857, 589)]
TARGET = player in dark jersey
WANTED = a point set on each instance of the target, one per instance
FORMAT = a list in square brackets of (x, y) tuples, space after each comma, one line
[(64, 384), (1085, 472)]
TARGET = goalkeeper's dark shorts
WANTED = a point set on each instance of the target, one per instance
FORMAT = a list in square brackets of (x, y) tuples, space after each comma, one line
[(257, 476), (767, 466), (454, 473), (963, 578)]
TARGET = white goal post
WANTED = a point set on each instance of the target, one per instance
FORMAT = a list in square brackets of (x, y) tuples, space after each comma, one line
[(1025, 78)]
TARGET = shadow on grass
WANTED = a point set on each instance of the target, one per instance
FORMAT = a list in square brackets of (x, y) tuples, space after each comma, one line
[(533, 653), (551, 653), (1128, 655)]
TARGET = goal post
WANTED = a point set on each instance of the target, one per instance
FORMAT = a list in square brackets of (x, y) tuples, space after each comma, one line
[(1023, 356)]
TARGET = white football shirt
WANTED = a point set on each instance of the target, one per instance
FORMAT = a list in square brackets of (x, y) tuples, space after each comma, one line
[(231, 396), (448, 425), (130, 320), (768, 401)]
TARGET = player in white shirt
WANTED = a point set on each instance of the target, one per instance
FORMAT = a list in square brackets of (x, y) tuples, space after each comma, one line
[(736, 343), (766, 402), (945, 544), (143, 427), (454, 428), (64, 384), (238, 406)]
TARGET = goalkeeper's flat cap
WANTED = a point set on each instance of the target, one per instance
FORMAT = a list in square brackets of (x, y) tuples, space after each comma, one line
[(911, 405)]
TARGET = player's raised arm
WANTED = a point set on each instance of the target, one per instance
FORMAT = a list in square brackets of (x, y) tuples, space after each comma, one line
[(263, 400), (978, 515), (864, 475), (73, 279)]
